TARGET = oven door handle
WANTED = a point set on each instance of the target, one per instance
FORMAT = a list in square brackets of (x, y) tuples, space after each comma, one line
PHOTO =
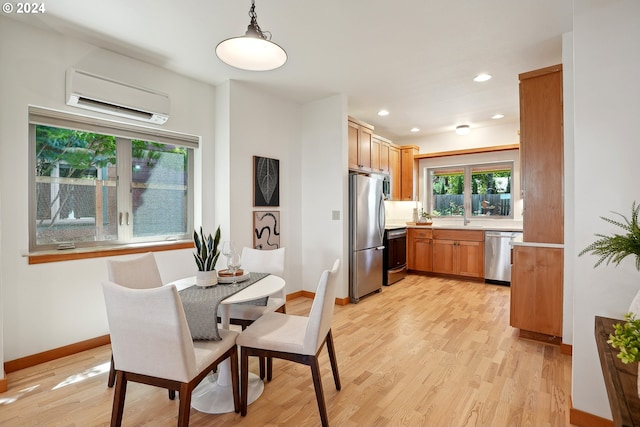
[(398, 269)]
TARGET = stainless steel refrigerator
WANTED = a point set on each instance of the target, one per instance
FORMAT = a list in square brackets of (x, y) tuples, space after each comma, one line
[(366, 234)]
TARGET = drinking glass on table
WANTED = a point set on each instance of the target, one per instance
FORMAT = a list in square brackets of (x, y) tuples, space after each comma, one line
[(227, 246), (234, 264)]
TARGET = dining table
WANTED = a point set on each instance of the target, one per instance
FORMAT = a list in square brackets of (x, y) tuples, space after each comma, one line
[(214, 395)]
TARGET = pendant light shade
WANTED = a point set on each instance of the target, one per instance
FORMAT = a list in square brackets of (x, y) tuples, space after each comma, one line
[(254, 51)]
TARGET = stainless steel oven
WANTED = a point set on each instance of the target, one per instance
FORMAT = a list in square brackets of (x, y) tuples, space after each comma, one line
[(395, 255)]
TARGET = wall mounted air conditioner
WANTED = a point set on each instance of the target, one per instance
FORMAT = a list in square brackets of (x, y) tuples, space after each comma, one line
[(97, 93)]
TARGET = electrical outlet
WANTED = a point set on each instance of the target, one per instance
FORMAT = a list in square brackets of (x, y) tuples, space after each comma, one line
[(335, 215)]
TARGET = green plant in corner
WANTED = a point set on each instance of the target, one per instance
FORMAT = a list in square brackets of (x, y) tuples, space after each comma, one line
[(626, 338), (616, 247), (207, 252)]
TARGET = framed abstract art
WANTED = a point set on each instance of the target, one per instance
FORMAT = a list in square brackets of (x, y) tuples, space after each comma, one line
[(266, 182), (266, 230)]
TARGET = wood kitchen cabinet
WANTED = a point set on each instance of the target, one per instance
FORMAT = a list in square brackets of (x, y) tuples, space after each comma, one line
[(541, 154), (360, 145), (409, 171), (380, 154), (420, 251), (536, 289), (458, 252), (395, 171)]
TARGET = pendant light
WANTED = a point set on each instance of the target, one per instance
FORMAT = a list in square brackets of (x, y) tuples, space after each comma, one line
[(254, 51)]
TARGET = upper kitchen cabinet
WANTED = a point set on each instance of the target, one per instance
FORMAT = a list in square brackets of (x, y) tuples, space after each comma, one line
[(409, 171), (541, 154), (360, 145), (395, 172), (380, 155)]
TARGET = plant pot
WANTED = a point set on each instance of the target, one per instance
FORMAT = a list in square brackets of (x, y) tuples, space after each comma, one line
[(207, 278)]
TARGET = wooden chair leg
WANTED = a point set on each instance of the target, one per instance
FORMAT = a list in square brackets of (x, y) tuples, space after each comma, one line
[(334, 361), (269, 368), (262, 364), (172, 395), (118, 399), (244, 383), (112, 374), (317, 384), (184, 406), (235, 380)]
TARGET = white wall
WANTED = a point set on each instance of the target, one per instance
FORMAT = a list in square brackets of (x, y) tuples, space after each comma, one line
[(263, 125), (51, 305), (606, 61), (325, 189)]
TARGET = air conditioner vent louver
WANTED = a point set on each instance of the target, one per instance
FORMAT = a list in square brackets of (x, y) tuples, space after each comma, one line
[(96, 93)]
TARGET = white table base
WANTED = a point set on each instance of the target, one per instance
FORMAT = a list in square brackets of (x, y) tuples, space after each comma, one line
[(213, 398)]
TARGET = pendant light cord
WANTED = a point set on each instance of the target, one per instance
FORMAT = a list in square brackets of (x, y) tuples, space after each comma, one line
[(266, 35)]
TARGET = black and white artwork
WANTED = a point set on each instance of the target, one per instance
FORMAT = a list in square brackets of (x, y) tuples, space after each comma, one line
[(266, 230), (266, 181)]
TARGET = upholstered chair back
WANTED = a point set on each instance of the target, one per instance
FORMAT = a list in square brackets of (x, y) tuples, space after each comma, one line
[(140, 272), (263, 261), (321, 310), (149, 332)]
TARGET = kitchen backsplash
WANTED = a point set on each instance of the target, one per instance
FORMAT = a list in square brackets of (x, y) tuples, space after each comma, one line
[(399, 213)]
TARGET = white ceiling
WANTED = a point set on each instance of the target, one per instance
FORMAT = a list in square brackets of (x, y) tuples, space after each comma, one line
[(415, 58)]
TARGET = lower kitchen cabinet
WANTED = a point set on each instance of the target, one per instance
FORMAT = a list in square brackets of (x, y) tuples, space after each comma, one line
[(420, 249), (458, 252), (536, 289)]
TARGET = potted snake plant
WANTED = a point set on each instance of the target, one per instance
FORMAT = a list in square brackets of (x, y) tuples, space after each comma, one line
[(206, 256)]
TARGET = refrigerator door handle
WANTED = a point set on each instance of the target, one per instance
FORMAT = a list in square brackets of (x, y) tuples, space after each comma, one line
[(381, 217)]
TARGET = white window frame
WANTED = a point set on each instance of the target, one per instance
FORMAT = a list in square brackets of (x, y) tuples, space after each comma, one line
[(467, 169), (60, 119)]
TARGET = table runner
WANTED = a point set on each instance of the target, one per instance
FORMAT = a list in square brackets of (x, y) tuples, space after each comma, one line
[(201, 305)]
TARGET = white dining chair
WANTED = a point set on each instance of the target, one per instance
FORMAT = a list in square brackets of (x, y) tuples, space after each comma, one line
[(152, 345), (294, 338), (137, 273), (259, 261)]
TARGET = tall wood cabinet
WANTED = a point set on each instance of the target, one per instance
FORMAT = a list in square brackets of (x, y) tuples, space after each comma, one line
[(537, 270), (541, 155)]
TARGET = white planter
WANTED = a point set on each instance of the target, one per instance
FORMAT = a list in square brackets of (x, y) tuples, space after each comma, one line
[(207, 278)]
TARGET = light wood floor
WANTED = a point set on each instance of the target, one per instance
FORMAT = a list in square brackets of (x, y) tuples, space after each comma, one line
[(424, 352)]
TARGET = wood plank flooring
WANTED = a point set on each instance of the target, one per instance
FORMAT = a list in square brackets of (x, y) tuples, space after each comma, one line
[(424, 352)]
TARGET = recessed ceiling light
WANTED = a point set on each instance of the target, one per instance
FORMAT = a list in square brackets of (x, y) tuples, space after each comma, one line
[(383, 113), (463, 129), (415, 130), (482, 77), (497, 116)]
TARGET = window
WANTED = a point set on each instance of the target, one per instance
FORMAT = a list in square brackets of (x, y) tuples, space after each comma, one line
[(471, 190), (103, 183)]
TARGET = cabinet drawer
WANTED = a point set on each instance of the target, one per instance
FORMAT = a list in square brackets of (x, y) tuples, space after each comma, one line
[(417, 233), (468, 235)]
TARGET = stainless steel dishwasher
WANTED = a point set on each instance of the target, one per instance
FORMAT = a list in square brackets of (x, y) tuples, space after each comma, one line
[(497, 256)]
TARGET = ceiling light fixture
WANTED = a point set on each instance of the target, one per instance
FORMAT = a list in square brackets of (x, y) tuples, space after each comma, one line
[(497, 116), (463, 129), (415, 130), (254, 51), (383, 113), (482, 77)]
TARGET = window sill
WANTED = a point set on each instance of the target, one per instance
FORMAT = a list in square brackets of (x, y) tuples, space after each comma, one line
[(98, 252)]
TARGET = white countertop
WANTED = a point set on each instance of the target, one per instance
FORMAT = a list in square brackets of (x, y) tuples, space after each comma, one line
[(480, 224)]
